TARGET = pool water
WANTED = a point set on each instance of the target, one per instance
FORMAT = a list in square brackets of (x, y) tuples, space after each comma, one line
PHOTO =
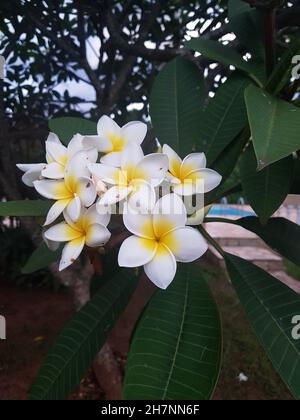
[(229, 211)]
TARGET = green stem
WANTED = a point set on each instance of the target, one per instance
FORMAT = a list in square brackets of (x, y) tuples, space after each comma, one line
[(211, 240)]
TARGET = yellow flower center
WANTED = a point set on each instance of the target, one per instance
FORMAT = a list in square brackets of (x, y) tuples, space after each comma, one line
[(160, 234), (118, 143)]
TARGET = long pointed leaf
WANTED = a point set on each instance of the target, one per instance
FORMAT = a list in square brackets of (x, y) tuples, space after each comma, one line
[(262, 188), (176, 104), (280, 234), (25, 208), (224, 117), (275, 126), (271, 307), (176, 349), (81, 339), (67, 127)]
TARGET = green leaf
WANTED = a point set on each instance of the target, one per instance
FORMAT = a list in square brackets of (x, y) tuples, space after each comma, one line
[(275, 126), (237, 7), (270, 307), (283, 70), (224, 54), (81, 339), (265, 190), (41, 258), (280, 234), (176, 104), (25, 208), (66, 127), (176, 349), (224, 117), (248, 26)]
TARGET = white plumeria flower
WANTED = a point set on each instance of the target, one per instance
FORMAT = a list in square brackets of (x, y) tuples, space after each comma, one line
[(135, 180), (190, 176), (57, 157), (33, 171), (71, 193), (90, 229), (112, 139), (160, 240)]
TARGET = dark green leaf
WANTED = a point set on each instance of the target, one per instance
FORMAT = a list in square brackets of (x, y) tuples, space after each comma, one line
[(176, 349), (249, 29), (224, 54), (283, 71), (81, 339), (271, 307), (267, 189), (176, 103), (280, 234), (224, 118), (25, 208), (41, 258), (275, 126), (67, 127), (237, 7)]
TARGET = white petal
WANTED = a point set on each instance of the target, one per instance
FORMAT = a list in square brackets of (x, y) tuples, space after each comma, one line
[(25, 167), (32, 175), (108, 174), (78, 165), (74, 209), (54, 190), (71, 252), (97, 215), (161, 270), (186, 244), (75, 145), (86, 191), (131, 155), (57, 152), (115, 195), (97, 235), (62, 232), (54, 171), (107, 126), (174, 160), (138, 224), (193, 162), (112, 159), (155, 167), (52, 137), (188, 188), (143, 197), (169, 213), (102, 144), (135, 252), (55, 211), (210, 178), (52, 245), (135, 131)]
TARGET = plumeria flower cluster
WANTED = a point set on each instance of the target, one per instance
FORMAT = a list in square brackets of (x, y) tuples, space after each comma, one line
[(97, 176)]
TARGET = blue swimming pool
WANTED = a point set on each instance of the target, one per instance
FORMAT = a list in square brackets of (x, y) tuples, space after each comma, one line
[(229, 211)]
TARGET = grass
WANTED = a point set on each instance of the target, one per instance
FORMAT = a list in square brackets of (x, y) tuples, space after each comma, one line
[(242, 352)]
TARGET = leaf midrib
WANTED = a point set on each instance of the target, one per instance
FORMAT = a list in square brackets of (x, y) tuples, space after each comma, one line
[(178, 341), (222, 120)]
